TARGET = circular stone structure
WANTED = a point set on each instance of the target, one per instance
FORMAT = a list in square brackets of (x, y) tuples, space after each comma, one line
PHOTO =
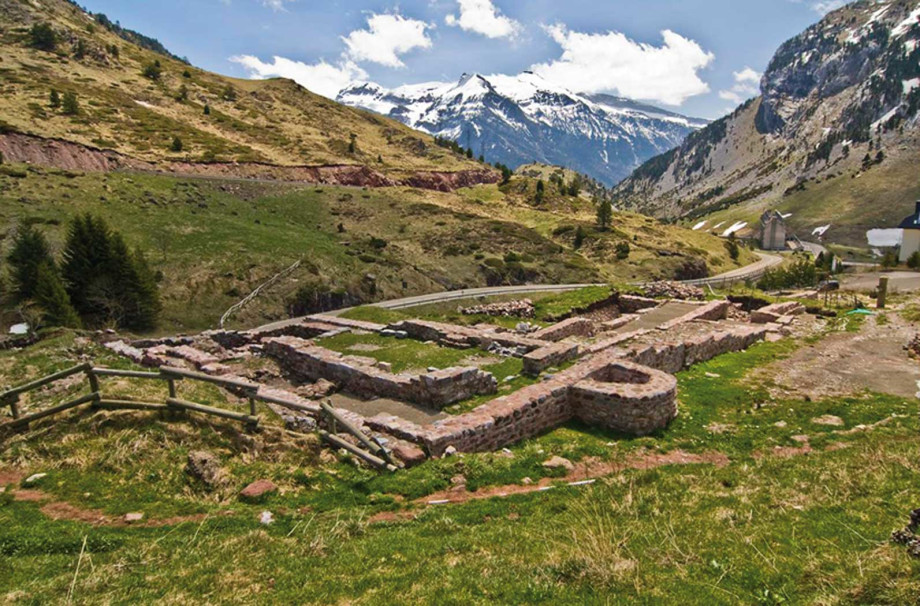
[(626, 397)]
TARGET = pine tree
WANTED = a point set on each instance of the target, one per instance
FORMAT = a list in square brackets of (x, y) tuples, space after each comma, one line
[(207, 110), (176, 145), (579, 237), (604, 214), (54, 99), (182, 95), (541, 188), (105, 281), (70, 106), (86, 253), (30, 251), (51, 297)]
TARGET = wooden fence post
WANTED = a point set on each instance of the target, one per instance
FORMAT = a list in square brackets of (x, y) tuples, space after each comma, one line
[(14, 406), (93, 385)]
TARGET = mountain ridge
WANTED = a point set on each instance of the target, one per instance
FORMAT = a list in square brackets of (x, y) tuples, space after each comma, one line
[(830, 138), (520, 119)]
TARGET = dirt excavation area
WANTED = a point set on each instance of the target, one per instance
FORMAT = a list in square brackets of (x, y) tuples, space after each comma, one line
[(871, 358)]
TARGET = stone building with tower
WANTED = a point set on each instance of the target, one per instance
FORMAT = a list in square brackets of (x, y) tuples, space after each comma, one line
[(772, 231)]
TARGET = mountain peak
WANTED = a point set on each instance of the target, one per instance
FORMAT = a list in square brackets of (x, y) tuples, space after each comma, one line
[(511, 119)]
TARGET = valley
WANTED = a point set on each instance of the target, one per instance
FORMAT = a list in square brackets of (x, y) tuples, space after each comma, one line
[(482, 340)]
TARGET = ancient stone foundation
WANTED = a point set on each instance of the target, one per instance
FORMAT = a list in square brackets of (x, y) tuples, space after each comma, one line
[(363, 377)]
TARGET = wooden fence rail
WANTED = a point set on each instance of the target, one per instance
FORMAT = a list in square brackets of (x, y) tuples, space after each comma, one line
[(370, 450), (95, 398)]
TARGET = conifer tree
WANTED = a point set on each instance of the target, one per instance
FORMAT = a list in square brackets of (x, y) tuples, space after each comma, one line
[(54, 99), (604, 214), (579, 237), (30, 250), (52, 298), (69, 105)]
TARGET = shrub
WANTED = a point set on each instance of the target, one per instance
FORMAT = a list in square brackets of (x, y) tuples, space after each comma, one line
[(153, 71), (43, 37), (623, 250), (913, 261), (54, 99), (800, 273), (734, 251), (176, 145)]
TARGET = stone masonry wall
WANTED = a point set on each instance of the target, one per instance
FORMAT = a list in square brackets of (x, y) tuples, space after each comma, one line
[(359, 375), (573, 327), (546, 357)]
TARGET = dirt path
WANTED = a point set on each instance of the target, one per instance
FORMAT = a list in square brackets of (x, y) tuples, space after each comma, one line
[(584, 472), (845, 363)]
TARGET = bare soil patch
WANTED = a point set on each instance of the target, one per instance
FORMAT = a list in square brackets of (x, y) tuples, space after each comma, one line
[(845, 363), (590, 468)]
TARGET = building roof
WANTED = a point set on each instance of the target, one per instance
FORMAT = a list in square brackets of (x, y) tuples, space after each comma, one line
[(913, 221)]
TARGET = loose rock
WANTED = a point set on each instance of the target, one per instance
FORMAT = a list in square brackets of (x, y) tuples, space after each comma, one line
[(558, 462), (205, 467), (257, 490)]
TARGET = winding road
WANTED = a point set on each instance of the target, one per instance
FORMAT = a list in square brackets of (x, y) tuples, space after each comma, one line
[(752, 271)]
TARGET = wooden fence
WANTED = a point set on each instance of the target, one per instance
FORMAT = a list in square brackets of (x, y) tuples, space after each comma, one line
[(97, 400), (370, 450)]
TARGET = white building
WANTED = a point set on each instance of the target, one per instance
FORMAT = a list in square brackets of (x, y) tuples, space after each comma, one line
[(910, 242)]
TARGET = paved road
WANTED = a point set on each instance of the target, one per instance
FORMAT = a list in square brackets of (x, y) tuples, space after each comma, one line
[(749, 271), (898, 281)]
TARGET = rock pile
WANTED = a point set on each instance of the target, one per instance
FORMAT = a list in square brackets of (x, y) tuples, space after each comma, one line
[(913, 348), (674, 290), (515, 309), (907, 536)]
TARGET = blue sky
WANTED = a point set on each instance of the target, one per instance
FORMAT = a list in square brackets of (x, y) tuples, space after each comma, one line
[(699, 57)]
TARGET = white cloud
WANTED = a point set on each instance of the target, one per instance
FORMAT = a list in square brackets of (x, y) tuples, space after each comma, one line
[(322, 78), (747, 85), (483, 17), (593, 63), (277, 5), (826, 6), (387, 37)]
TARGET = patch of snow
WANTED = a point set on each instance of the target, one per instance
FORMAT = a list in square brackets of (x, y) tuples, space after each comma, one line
[(144, 104), (902, 27), (884, 118), (785, 215), (878, 15), (910, 85), (885, 237), (700, 225), (715, 227), (19, 329), (739, 225), (820, 231)]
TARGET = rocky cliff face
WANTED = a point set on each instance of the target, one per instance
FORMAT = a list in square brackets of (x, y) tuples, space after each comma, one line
[(838, 101), (521, 119)]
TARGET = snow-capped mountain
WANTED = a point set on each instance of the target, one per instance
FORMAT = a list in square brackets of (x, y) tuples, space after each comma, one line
[(838, 113), (521, 119)]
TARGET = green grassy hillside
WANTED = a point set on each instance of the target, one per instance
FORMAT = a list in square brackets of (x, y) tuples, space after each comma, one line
[(214, 241), (273, 121)]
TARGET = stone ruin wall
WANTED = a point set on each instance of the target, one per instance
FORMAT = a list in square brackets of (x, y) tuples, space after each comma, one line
[(638, 408), (360, 375)]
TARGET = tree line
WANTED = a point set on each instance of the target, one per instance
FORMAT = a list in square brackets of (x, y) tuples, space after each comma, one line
[(98, 281)]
